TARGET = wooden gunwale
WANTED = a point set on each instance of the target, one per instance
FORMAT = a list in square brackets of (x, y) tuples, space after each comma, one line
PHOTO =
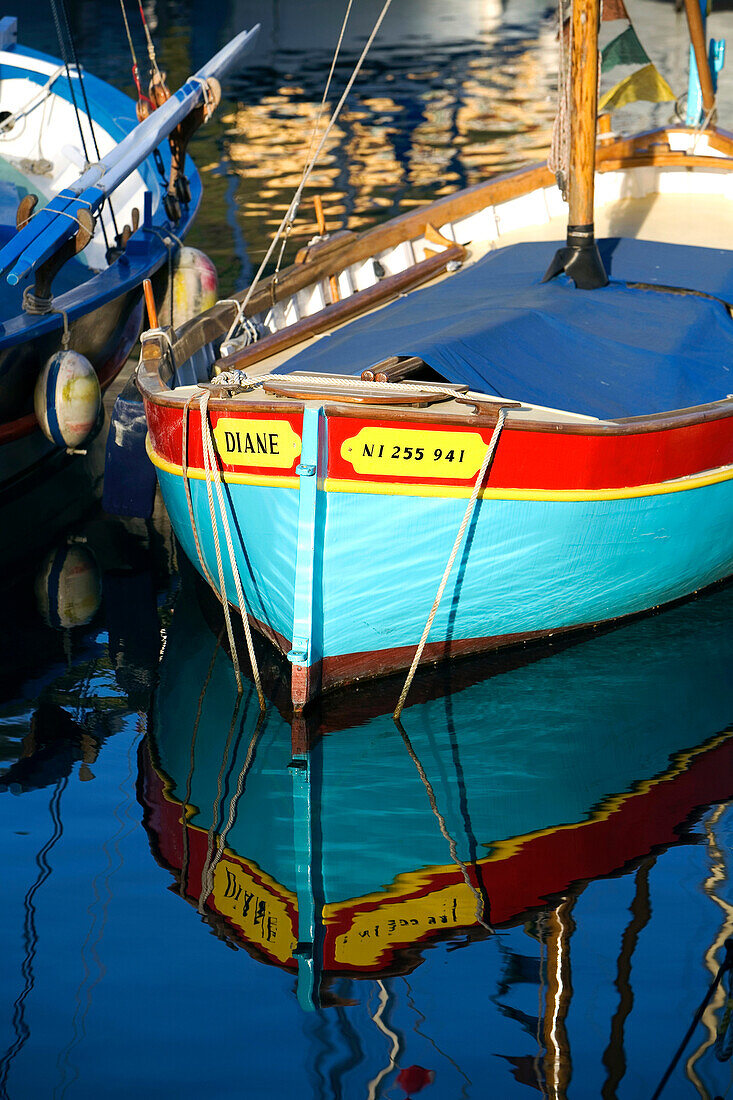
[(651, 148), (632, 425)]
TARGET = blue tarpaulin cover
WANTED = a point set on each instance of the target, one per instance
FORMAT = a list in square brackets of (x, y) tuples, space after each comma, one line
[(616, 351)]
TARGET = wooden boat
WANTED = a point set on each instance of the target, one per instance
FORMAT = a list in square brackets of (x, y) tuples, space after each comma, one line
[(82, 237), (579, 394), (351, 855)]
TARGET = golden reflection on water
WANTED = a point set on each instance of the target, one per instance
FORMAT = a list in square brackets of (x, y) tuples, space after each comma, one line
[(414, 137)]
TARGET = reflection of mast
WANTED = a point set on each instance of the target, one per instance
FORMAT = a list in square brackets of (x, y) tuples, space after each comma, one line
[(395, 1040), (558, 927), (718, 876), (614, 1058), (30, 939)]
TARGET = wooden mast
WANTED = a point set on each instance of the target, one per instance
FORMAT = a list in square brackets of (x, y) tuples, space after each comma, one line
[(580, 258), (697, 37)]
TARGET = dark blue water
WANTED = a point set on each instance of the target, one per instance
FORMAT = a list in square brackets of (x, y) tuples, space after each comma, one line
[(525, 889)]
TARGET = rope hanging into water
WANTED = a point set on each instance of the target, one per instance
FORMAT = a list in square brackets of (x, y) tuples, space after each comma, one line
[(307, 174), (212, 472), (488, 458)]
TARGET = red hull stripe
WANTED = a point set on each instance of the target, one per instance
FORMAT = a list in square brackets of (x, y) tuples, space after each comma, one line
[(530, 460)]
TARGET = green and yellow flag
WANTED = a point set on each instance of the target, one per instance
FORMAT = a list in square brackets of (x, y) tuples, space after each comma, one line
[(647, 83), (626, 49)]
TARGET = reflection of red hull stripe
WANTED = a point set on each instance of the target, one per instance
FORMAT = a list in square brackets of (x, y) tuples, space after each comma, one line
[(544, 865), (524, 459)]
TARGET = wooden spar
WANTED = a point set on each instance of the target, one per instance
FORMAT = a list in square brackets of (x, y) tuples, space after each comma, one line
[(580, 258), (697, 37)]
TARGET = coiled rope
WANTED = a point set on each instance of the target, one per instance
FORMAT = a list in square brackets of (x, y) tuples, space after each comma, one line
[(239, 381), (488, 457)]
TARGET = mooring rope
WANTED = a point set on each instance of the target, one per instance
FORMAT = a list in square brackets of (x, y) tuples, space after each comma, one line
[(187, 489), (212, 472), (488, 457)]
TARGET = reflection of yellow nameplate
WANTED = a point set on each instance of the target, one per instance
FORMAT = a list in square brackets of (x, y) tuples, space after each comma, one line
[(271, 443), (409, 452), (258, 912), (387, 927)]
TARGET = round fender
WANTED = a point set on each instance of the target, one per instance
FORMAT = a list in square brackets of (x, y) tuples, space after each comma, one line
[(67, 398)]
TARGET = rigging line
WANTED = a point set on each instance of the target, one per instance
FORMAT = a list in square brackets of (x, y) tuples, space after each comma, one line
[(211, 467), (65, 59), (222, 592), (30, 938), (86, 103), (149, 40), (467, 515), (463, 796), (316, 124), (133, 55), (306, 175)]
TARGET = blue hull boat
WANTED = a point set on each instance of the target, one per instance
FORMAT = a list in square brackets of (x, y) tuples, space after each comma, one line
[(92, 203)]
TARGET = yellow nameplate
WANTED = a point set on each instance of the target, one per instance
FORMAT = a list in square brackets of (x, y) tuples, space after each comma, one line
[(408, 452), (271, 443)]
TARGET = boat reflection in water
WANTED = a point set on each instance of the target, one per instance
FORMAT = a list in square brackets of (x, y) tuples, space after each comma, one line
[(501, 803)]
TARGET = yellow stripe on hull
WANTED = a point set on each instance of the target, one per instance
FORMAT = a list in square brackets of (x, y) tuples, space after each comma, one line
[(393, 488)]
